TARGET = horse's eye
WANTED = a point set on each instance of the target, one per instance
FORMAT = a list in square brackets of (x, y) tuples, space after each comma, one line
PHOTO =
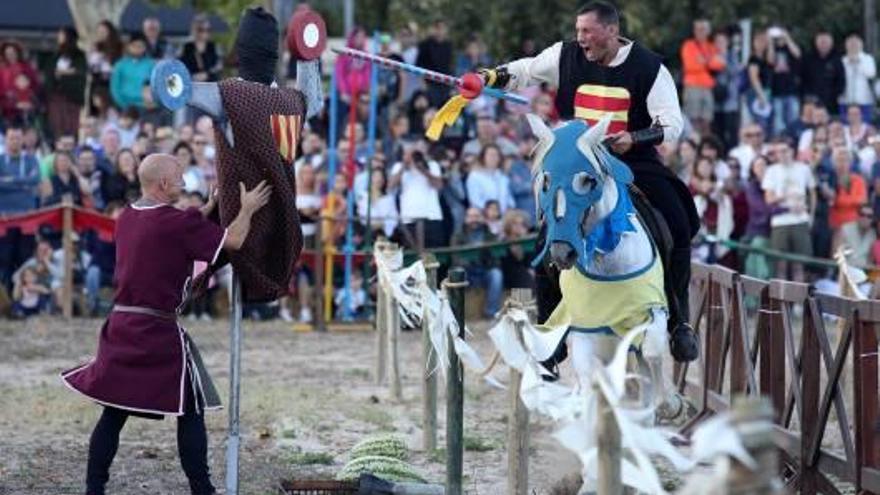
[(582, 183), (545, 182)]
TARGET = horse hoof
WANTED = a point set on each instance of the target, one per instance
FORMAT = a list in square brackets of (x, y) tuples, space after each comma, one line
[(683, 344)]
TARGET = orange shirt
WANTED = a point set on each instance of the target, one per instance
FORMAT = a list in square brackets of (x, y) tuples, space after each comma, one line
[(847, 202), (698, 59)]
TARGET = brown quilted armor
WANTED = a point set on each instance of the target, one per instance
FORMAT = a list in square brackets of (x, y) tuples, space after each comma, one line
[(265, 261)]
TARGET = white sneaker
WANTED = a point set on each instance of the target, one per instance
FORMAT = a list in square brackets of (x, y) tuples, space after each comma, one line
[(285, 314), (305, 315)]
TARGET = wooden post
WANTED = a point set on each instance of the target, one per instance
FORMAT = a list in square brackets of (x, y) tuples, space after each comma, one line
[(317, 301), (610, 453), (381, 323), (456, 283), (753, 419), (69, 255), (810, 390), (429, 383), (865, 385), (518, 419), (392, 320)]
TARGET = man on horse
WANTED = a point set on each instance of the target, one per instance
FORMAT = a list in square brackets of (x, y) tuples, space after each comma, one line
[(600, 73)]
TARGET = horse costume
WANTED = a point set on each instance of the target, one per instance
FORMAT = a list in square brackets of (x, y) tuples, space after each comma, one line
[(612, 273)]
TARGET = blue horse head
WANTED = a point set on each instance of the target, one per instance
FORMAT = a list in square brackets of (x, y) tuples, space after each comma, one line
[(581, 192)]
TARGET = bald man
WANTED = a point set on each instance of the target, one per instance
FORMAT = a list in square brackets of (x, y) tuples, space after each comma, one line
[(146, 364)]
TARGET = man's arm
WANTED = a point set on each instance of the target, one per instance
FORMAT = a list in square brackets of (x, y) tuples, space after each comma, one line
[(251, 201), (665, 112), (525, 72)]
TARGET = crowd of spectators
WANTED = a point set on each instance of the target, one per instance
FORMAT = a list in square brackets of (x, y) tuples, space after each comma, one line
[(779, 151)]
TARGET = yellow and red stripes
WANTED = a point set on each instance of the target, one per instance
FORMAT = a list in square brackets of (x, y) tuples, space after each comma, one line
[(285, 130), (592, 102)]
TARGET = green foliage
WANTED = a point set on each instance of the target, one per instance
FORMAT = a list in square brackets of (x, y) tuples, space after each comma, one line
[(387, 468), (388, 445), (477, 444)]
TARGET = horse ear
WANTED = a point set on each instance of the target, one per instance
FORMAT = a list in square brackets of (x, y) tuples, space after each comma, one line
[(539, 128), (595, 134)]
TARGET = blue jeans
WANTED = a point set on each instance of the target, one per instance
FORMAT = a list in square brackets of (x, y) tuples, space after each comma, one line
[(95, 279), (492, 281), (786, 110)]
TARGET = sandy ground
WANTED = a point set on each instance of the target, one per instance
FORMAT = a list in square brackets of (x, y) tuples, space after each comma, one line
[(307, 397)]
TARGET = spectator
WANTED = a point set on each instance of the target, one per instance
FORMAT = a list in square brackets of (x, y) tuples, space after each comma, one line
[(790, 185), (19, 85), (352, 76), (308, 205), (200, 55), (715, 210), (29, 296), (859, 68), (487, 134), (65, 143), (487, 181), (757, 233), (382, 206), (806, 119), (726, 92), (48, 266), (66, 84), (492, 214), (826, 181), (409, 51), (193, 176), (685, 159), (19, 175), (122, 184), (106, 50), (857, 131), (473, 57), (156, 46), (700, 60), (861, 237), (109, 148), (751, 144), (516, 265), (851, 194), (760, 72), (65, 181), (90, 177), (822, 72), (435, 53), (710, 147), (420, 181), (521, 188), (454, 196), (484, 271), (99, 271), (785, 81), (130, 74)]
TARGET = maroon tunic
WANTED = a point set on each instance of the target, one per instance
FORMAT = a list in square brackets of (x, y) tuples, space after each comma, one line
[(141, 363)]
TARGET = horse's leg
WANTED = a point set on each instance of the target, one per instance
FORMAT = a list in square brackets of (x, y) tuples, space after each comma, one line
[(583, 359), (662, 394)]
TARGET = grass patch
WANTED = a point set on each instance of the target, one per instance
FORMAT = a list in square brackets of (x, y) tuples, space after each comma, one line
[(437, 455), (375, 415), (310, 458), (477, 444), (357, 373)]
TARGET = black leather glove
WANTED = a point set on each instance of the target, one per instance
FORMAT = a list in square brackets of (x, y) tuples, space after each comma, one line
[(651, 136), (495, 78)]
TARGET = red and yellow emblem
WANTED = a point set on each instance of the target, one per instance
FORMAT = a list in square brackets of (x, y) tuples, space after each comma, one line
[(285, 130), (592, 102)]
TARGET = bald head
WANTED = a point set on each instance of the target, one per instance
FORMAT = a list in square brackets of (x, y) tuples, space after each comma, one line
[(160, 176)]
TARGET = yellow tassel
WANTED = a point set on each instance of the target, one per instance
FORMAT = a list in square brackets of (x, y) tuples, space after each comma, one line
[(446, 116)]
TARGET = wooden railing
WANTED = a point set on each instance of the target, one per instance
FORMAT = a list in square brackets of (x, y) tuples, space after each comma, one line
[(751, 340)]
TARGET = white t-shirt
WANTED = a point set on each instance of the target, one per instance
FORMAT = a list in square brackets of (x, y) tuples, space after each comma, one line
[(308, 201), (384, 208), (417, 198), (792, 182)]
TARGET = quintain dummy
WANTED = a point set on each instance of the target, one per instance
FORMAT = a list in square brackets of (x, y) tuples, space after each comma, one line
[(257, 127)]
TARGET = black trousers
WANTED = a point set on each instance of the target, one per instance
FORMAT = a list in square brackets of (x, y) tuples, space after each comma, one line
[(192, 446)]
